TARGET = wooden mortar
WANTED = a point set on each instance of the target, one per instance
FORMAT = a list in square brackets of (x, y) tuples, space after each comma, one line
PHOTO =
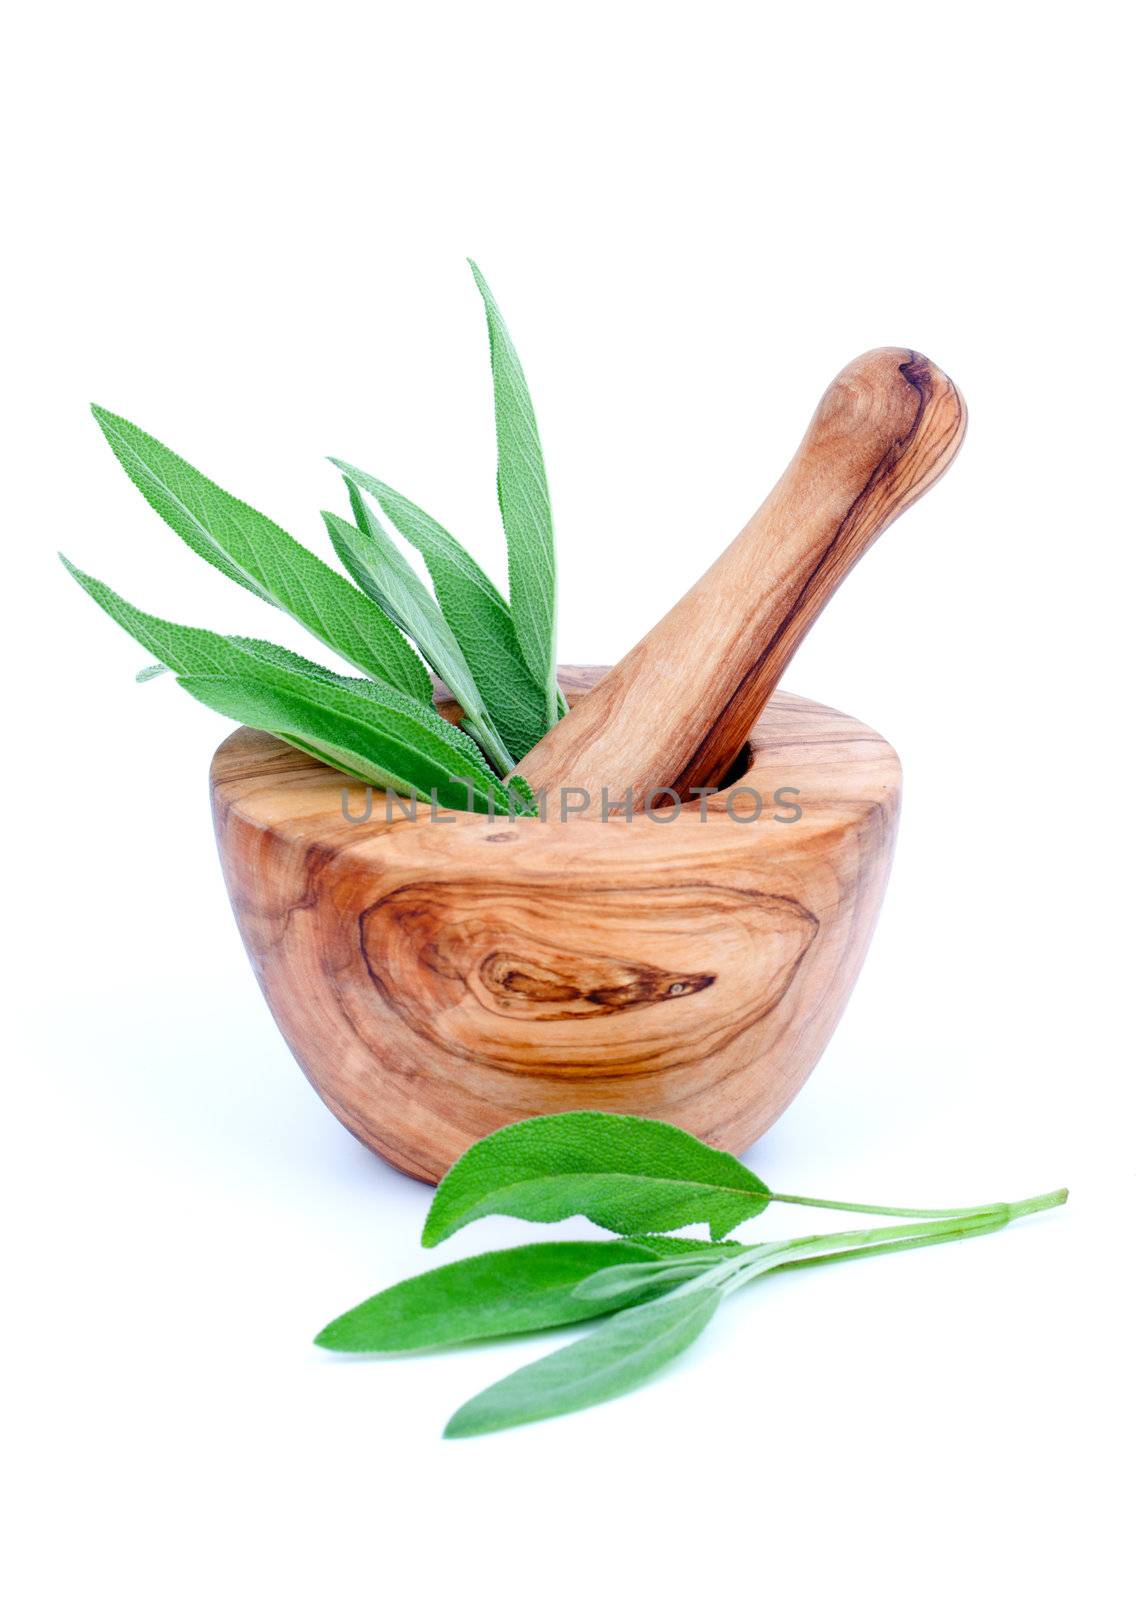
[(437, 979)]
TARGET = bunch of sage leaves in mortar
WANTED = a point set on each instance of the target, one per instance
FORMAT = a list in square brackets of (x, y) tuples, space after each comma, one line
[(641, 1180), (496, 657)]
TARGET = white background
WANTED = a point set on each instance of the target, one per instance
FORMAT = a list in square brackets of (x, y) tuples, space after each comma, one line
[(244, 227)]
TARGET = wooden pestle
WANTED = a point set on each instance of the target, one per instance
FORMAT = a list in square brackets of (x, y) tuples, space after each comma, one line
[(676, 710)]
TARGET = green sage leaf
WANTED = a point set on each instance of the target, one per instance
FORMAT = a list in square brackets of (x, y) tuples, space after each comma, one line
[(366, 729), (398, 753), (478, 616), (382, 572), (628, 1174), (252, 550), (501, 1292), (526, 511), (620, 1354)]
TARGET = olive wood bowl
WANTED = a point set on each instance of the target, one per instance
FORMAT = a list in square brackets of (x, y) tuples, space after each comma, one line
[(439, 977)]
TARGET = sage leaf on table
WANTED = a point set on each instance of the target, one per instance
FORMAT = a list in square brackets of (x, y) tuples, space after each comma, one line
[(657, 1289), (522, 490), (627, 1174), (501, 1292), (252, 550), (478, 616), (618, 1356), (520, 1290)]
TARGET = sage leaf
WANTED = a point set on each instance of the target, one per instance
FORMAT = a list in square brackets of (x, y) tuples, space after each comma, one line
[(499, 1293), (526, 512), (399, 753), (382, 572), (620, 1354), (478, 616), (258, 554), (628, 1174), (366, 729)]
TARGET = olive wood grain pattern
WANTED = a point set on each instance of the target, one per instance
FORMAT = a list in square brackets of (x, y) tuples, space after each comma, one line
[(438, 979), (676, 710)]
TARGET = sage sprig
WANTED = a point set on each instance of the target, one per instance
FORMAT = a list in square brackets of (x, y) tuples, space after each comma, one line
[(495, 657), (642, 1180), (622, 1173)]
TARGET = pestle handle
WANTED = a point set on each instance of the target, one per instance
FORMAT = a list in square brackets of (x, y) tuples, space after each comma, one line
[(678, 707)]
